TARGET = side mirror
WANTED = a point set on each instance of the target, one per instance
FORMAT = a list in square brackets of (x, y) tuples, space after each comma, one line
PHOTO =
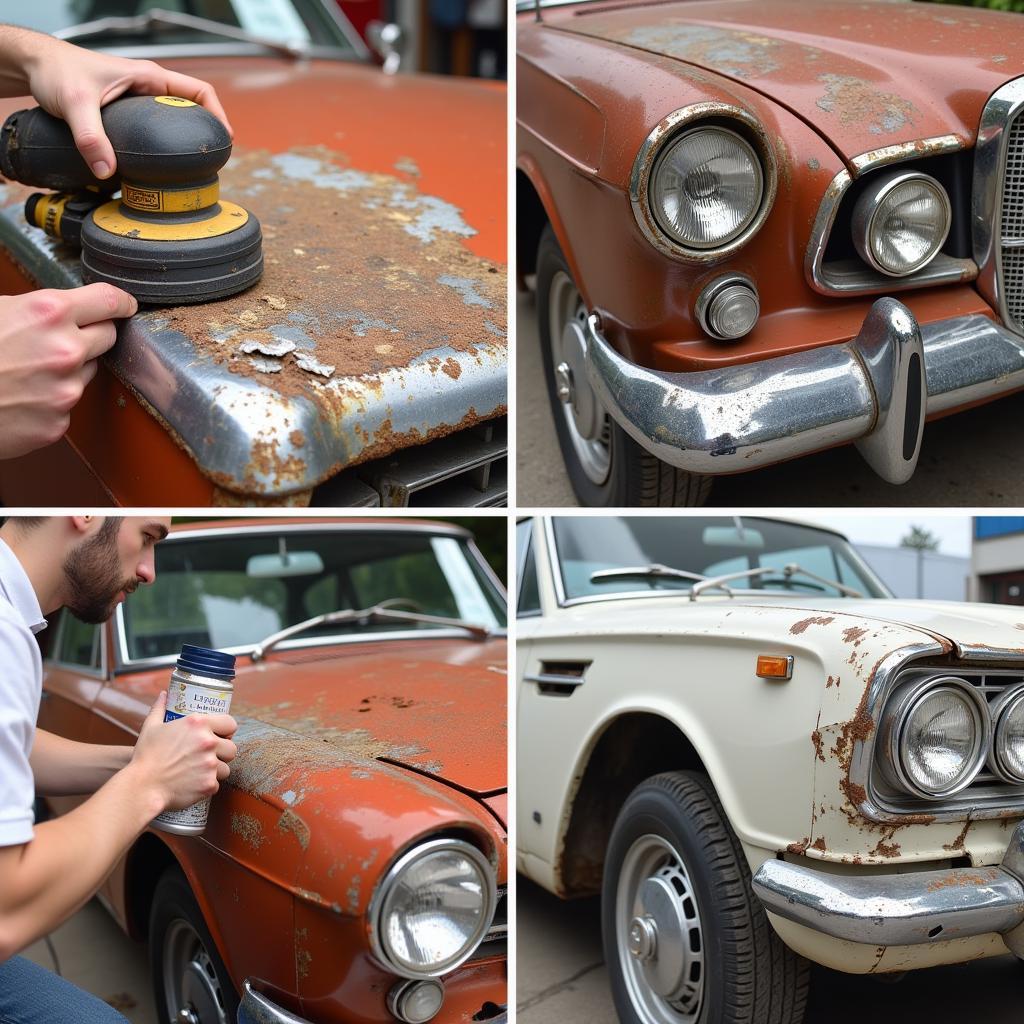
[(385, 38)]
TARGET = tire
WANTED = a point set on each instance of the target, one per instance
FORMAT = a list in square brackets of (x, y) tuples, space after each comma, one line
[(608, 469), (187, 971), (685, 939)]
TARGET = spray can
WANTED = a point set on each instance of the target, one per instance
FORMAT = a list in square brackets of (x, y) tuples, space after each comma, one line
[(201, 684)]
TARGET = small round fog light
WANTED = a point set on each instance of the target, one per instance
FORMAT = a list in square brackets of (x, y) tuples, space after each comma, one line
[(416, 1002), (728, 308)]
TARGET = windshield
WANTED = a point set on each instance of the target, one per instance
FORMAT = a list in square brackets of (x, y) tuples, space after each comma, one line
[(707, 546), (304, 23), (234, 590)]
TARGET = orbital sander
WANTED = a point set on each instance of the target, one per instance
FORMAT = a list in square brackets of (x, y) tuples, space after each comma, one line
[(170, 238)]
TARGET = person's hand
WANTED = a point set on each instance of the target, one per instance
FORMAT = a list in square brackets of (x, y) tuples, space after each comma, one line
[(73, 83), (184, 760), (49, 342)]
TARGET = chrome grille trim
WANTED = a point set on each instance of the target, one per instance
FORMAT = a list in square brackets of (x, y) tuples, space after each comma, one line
[(997, 204)]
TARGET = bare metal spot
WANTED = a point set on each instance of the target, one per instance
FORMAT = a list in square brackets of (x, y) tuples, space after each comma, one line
[(855, 101)]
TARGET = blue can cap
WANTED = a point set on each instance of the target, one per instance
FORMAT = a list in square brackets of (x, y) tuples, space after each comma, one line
[(202, 661)]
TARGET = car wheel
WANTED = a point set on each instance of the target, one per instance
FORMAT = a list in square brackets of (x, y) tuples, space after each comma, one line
[(685, 939), (190, 983), (606, 466)]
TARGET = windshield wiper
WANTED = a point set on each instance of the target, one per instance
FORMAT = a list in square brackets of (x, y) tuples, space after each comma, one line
[(645, 572), (140, 24), (787, 571), (384, 611)]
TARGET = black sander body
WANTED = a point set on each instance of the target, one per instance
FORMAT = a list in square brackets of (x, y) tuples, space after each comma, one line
[(170, 238)]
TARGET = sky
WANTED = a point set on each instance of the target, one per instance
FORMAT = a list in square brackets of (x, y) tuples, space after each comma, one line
[(954, 532)]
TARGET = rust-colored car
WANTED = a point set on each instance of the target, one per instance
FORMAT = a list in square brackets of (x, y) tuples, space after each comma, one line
[(354, 864), (763, 230), (368, 366)]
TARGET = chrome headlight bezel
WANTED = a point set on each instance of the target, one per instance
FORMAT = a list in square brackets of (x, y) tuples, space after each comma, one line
[(379, 904), (897, 713), (1006, 702), (870, 203), (667, 133)]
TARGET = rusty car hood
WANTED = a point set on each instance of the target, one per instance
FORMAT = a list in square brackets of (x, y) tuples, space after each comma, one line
[(865, 75), (380, 321), (435, 707), (970, 629)]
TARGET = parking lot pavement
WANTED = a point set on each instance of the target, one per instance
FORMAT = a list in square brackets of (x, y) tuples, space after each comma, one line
[(974, 458), (561, 978), (97, 956)]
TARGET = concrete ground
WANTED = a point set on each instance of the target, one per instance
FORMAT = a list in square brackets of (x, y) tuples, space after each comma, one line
[(974, 458), (97, 956), (562, 978)]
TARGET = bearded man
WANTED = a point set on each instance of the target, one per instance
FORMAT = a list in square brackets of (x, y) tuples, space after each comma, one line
[(88, 564)]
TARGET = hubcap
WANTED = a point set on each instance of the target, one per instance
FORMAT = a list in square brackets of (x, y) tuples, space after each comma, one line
[(588, 425), (658, 934), (191, 988)]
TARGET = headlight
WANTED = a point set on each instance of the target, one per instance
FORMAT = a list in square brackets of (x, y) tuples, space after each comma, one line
[(1008, 747), (432, 909), (900, 222), (938, 736), (706, 187)]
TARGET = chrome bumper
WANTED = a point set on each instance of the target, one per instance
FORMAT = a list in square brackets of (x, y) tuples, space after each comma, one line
[(874, 391), (256, 1008), (906, 909)]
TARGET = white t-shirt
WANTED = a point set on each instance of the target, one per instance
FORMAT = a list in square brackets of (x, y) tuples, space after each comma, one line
[(21, 685)]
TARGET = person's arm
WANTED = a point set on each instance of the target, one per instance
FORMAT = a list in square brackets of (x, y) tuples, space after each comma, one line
[(63, 767), (72, 83), (173, 765)]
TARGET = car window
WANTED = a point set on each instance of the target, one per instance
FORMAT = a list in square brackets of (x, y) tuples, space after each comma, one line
[(529, 594), (79, 643), (236, 589)]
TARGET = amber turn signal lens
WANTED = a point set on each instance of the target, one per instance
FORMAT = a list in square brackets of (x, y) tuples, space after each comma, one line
[(775, 666)]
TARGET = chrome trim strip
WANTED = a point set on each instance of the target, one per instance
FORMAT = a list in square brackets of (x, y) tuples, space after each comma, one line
[(256, 1008), (911, 909), (553, 679), (554, 562), (987, 198), (862, 280), (792, 405), (660, 135)]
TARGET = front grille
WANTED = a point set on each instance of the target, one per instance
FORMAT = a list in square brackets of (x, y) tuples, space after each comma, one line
[(1011, 227), (495, 943), (987, 796)]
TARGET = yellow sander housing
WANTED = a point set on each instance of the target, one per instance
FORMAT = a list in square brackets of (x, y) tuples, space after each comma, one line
[(170, 238)]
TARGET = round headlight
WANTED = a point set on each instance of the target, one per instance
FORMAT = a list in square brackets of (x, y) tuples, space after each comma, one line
[(942, 738), (900, 222), (1008, 748), (706, 187), (433, 908)]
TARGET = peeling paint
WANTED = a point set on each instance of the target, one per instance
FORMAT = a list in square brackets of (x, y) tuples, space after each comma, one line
[(855, 101)]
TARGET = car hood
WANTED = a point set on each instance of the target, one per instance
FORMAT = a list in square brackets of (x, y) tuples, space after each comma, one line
[(970, 628), (435, 707), (864, 75)]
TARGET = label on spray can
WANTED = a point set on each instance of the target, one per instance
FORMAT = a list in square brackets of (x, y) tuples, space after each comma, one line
[(201, 684)]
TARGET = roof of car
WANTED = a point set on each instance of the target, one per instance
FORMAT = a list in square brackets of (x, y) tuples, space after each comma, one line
[(217, 523)]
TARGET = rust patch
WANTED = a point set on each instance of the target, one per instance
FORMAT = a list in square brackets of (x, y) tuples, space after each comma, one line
[(854, 635), (293, 823), (817, 741), (957, 879), (798, 848), (884, 849), (832, 682), (248, 829), (855, 102), (362, 273), (819, 844), (958, 843), (816, 620)]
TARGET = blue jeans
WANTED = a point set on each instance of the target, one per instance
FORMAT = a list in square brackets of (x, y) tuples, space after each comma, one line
[(30, 994)]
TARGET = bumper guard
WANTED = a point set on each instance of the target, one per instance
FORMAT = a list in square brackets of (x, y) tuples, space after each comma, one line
[(875, 391)]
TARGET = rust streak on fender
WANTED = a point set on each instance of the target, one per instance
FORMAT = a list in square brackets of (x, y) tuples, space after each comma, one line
[(815, 620)]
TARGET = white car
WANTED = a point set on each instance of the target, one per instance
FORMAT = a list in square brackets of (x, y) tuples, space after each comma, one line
[(731, 730)]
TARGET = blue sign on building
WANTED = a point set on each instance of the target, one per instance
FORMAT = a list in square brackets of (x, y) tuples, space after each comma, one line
[(997, 526)]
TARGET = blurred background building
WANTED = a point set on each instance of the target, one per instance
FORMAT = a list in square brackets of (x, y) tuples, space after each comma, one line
[(997, 559)]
